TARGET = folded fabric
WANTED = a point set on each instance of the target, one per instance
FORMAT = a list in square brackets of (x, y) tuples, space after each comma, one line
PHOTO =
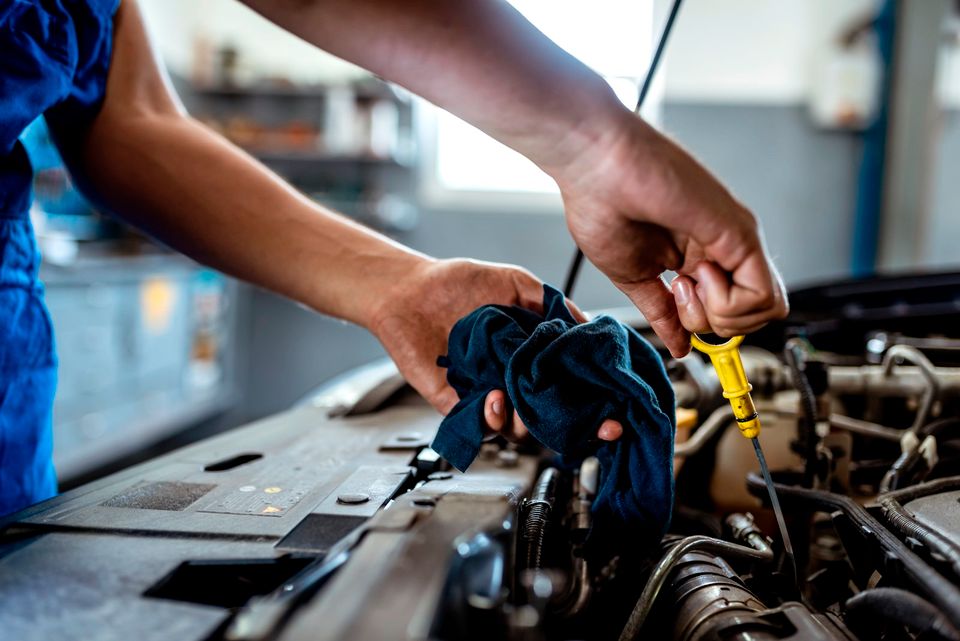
[(564, 379)]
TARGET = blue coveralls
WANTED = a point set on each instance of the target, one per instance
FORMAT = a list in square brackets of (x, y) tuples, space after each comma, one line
[(54, 57)]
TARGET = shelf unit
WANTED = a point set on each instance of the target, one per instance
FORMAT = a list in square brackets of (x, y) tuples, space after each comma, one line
[(130, 375), (356, 177)]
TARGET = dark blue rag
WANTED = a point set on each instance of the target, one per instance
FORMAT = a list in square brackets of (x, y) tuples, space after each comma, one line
[(564, 379)]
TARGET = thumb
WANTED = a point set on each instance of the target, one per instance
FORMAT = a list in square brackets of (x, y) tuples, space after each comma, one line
[(655, 301), (444, 399)]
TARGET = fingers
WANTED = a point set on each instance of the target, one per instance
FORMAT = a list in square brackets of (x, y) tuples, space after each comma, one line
[(530, 293), (444, 400), (503, 420), (610, 430), (529, 289), (656, 302), (713, 302), (517, 431), (735, 294), (494, 410), (716, 302), (731, 307), (575, 311)]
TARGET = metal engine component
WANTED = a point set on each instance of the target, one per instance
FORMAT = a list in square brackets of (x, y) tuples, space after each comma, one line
[(538, 509), (335, 520), (713, 604), (704, 589), (668, 564)]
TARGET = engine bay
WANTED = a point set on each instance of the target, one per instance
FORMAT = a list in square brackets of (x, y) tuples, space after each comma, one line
[(337, 521), (858, 394)]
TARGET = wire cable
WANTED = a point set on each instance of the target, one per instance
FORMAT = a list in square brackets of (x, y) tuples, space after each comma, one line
[(575, 265)]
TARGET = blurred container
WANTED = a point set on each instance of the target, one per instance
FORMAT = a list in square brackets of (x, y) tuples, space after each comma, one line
[(384, 132), (228, 62), (340, 121), (202, 62), (846, 88)]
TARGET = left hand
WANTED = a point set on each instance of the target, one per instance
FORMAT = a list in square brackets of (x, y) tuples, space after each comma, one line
[(415, 319)]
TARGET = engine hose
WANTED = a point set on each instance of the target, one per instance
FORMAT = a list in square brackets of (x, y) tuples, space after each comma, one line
[(538, 509), (718, 421), (891, 505), (763, 552), (933, 428), (865, 428), (903, 607), (903, 469), (944, 594), (808, 407)]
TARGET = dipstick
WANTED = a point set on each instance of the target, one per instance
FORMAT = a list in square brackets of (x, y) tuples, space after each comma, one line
[(736, 389)]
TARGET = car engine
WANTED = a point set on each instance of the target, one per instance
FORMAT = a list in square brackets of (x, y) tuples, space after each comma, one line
[(858, 391), (336, 520)]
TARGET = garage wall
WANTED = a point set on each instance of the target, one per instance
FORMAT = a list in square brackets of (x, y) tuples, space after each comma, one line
[(942, 238)]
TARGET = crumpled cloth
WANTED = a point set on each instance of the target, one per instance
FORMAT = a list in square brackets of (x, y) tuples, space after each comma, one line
[(564, 379)]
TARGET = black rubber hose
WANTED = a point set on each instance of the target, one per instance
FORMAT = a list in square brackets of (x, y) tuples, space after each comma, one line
[(929, 488), (933, 428), (899, 606), (944, 594), (904, 469), (808, 408), (891, 506)]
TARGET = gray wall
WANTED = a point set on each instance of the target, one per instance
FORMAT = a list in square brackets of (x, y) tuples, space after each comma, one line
[(943, 226), (799, 181)]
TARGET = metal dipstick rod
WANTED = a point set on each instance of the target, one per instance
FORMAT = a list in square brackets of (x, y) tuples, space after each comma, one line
[(736, 389)]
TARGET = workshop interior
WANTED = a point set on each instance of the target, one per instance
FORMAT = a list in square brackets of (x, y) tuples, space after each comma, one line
[(236, 467)]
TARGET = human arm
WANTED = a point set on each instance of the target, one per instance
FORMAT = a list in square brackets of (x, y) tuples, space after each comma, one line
[(144, 159), (636, 203)]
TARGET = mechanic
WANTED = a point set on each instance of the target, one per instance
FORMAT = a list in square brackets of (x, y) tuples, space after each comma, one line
[(635, 202)]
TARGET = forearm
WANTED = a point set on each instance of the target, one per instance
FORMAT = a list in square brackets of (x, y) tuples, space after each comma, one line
[(479, 59), (174, 178)]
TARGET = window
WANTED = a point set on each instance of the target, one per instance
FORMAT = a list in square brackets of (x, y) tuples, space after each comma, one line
[(464, 166)]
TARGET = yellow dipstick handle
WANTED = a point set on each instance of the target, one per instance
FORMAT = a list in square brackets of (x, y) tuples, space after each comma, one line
[(733, 380)]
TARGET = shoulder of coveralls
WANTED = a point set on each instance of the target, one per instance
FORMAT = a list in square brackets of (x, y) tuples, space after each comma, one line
[(92, 30), (54, 60)]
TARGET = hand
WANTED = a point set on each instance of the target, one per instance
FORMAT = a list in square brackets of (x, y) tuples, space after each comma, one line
[(415, 319), (638, 205)]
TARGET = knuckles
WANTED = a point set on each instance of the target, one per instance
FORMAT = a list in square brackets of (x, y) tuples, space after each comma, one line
[(767, 300)]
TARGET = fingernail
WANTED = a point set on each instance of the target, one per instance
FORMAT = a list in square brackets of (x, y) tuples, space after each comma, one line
[(497, 407), (681, 292)]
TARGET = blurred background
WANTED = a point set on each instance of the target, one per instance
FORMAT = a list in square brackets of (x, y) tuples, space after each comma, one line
[(836, 122)]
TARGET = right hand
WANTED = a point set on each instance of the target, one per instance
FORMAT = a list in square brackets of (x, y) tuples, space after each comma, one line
[(638, 205)]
